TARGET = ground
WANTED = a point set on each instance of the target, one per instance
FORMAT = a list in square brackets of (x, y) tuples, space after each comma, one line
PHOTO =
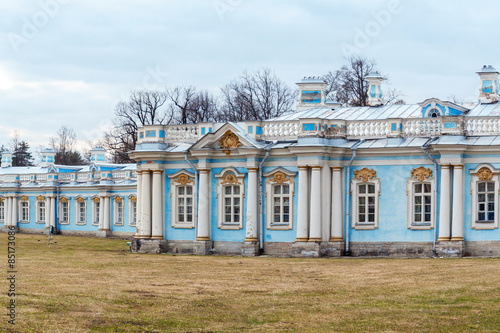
[(88, 284)]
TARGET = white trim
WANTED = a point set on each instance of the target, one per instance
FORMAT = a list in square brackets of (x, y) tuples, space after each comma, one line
[(60, 215), (220, 198), (20, 211), (37, 211), (78, 221), (473, 191), (354, 208), (2, 209), (131, 204), (411, 224), (116, 200), (174, 186), (270, 198), (95, 207)]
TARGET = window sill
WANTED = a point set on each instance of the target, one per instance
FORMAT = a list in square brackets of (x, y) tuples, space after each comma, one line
[(40, 222), (421, 224), (485, 222)]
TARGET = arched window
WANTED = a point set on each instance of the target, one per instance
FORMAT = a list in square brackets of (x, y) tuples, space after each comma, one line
[(434, 113)]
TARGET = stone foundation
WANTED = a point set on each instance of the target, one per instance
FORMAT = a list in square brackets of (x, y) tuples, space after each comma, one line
[(306, 250), (149, 245), (391, 249), (250, 249), (482, 249), (450, 249)]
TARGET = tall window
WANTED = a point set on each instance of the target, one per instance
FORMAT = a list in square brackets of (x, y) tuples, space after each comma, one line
[(81, 211), (24, 209), (365, 189), (64, 211), (132, 214), (183, 199), (230, 194), (118, 214), (421, 202), (484, 191), (2, 210), (41, 209), (96, 206), (279, 199)]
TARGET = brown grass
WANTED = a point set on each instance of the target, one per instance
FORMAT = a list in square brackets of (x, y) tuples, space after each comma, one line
[(84, 284)]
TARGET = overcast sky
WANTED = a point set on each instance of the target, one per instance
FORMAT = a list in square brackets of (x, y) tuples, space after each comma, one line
[(68, 62)]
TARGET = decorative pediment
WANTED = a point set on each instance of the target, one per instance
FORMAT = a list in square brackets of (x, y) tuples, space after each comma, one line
[(40, 198), (365, 174), (80, 199), (63, 199), (484, 174), (24, 198), (229, 141), (182, 177), (230, 178), (117, 198), (421, 173), (96, 199), (227, 138), (132, 198), (441, 108)]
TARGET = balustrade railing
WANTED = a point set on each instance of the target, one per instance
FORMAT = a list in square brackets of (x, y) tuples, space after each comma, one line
[(482, 126), (181, 132)]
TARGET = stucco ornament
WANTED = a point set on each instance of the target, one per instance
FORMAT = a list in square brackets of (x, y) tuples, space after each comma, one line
[(229, 141), (230, 178), (24, 198), (279, 177), (484, 174), (365, 174), (184, 179), (421, 173), (80, 199), (40, 198)]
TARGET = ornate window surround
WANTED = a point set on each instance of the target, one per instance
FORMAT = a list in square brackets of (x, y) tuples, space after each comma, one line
[(39, 200), (64, 201), (132, 201), (78, 201), (177, 179), (484, 172), (95, 203), (2, 208), (274, 177), (24, 199), (364, 176), (420, 175), (117, 200), (229, 176)]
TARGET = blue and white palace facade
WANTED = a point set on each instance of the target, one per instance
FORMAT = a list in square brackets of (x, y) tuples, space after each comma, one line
[(324, 180)]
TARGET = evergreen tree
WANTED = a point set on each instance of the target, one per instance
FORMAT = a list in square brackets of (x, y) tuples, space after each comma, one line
[(21, 155)]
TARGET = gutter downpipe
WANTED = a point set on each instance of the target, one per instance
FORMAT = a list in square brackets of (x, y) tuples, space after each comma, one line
[(261, 222), (424, 148), (347, 208), (195, 190)]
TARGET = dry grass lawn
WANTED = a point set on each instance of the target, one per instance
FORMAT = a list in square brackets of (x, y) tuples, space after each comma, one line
[(88, 284)]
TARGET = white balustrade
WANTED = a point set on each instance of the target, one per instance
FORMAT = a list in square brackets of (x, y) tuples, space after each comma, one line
[(482, 126), (422, 127), (24, 178), (181, 133)]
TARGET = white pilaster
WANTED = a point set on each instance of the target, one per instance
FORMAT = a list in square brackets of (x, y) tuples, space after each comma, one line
[(107, 214), (457, 223), (326, 200), (157, 215), (139, 200), (302, 210), (52, 212), (203, 231), (315, 212), (146, 205), (8, 211), (101, 212), (13, 222), (337, 220), (252, 206), (445, 205)]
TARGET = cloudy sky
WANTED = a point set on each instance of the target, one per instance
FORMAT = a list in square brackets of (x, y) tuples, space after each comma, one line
[(69, 62)]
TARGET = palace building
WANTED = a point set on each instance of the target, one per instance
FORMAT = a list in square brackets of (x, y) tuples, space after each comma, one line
[(324, 180)]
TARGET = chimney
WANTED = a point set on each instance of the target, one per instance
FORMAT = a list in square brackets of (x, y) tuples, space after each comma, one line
[(489, 85), (48, 157), (312, 93), (6, 159), (374, 89)]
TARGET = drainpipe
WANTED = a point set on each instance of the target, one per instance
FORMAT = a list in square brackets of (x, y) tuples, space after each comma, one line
[(424, 148), (261, 224), (346, 196), (195, 190)]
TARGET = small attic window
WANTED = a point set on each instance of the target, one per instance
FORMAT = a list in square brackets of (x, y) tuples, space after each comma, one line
[(434, 113)]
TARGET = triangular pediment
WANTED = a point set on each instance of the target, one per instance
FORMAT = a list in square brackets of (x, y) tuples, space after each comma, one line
[(227, 138)]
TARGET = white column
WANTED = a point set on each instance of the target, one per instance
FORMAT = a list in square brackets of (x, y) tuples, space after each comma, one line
[(203, 232), (337, 220), (457, 223), (48, 212), (106, 226), (138, 204), (157, 215), (52, 212), (445, 205), (13, 222), (8, 211), (101, 213), (252, 206), (146, 205), (315, 212), (302, 211), (326, 200)]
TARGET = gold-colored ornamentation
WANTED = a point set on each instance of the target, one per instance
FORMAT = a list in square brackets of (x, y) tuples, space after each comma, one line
[(80, 199), (63, 199), (23, 198), (40, 198), (421, 173), (132, 198), (117, 198), (1, 199), (184, 179), (230, 178), (365, 174), (96, 199), (280, 177), (229, 141), (484, 174)]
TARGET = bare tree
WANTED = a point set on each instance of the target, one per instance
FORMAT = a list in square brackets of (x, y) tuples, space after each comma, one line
[(256, 96), (63, 145), (181, 99), (143, 108)]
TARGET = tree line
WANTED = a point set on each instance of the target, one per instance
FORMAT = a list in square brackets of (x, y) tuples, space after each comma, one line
[(255, 95)]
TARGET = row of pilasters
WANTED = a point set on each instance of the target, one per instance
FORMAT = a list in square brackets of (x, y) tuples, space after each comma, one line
[(451, 208), (10, 212), (150, 204)]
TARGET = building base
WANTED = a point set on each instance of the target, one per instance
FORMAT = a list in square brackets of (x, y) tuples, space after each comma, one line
[(391, 249), (332, 249), (149, 245), (482, 249), (306, 250), (8, 228), (103, 233), (250, 249), (450, 249)]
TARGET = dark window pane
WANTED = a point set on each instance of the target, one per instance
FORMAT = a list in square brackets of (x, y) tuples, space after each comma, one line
[(418, 217), (236, 190), (277, 189), (181, 190), (427, 188), (286, 189), (371, 217), (362, 200), (491, 206), (491, 186), (481, 197), (371, 188), (418, 188), (286, 218), (276, 218), (371, 200), (189, 190), (480, 187), (427, 200), (491, 216), (361, 217), (481, 206), (228, 190), (427, 217)]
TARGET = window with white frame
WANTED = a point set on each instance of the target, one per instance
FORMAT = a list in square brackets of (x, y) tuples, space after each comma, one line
[(81, 211), (2, 210), (64, 210), (24, 209), (96, 206), (118, 210), (41, 209), (183, 201), (279, 199), (484, 192), (132, 213), (420, 189), (230, 194), (365, 189)]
